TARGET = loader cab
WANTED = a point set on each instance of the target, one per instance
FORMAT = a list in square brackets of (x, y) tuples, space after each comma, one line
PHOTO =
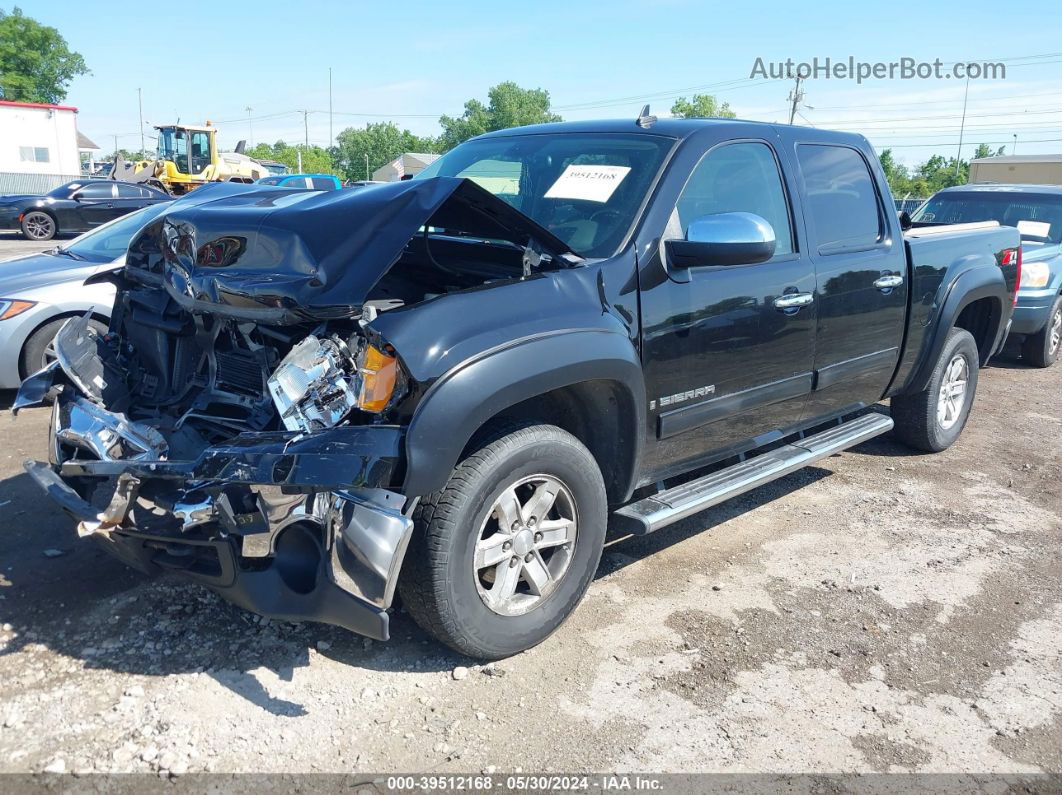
[(189, 149)]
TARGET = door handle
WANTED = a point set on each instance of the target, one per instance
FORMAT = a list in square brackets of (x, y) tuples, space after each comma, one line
[(793, 300), (888, 282)]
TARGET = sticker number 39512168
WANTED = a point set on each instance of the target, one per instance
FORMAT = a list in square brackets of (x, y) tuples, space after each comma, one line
[(590, 183)]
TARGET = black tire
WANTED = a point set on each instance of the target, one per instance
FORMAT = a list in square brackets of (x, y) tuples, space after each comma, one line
[(39, 226), (916, 416), (440, 585), (35, 350), (1041, 349)]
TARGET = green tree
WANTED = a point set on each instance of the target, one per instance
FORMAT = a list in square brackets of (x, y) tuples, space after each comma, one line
[(315, 159), (701, 106), (896, 174), (382, 142), (35, 63), (508, 105), (984, 150)]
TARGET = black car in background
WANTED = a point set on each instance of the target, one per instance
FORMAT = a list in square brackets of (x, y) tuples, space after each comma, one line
[(75, 207)]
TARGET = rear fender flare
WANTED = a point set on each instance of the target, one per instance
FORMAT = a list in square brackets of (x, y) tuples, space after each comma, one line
[(969, 286), (469, 395)]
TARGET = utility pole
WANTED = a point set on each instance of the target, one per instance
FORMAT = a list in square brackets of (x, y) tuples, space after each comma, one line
[(367, 175), (1014, 149), (795, 96), (962, 127), (306, 127), (116, 149), (250, 125), (140, 105), (330, 140), (298, 153)]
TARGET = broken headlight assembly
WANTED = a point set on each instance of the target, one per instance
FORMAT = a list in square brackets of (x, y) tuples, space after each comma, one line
[(321, 381)]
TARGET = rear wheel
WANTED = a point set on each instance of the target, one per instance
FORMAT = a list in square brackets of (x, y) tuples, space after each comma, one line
[(932, 420), (504, 553), (39, 350), (38, 225), (1041, 349)]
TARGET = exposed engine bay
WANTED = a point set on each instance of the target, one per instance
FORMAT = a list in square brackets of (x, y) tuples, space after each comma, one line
[(235, 423)]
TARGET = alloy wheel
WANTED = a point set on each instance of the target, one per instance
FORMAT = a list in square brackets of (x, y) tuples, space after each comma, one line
[(39, 226), (1055, 334), (525, 545), (952, 396)]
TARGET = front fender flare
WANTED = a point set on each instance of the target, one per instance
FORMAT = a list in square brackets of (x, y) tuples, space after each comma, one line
[(469, 395)]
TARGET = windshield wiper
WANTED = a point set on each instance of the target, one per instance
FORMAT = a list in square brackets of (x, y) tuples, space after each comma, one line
[(67, 253)]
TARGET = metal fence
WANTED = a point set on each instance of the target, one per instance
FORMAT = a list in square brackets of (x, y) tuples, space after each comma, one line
[(910, 205), (31, 183)]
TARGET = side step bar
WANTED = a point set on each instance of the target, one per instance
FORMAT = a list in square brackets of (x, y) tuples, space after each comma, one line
[(674, 504)]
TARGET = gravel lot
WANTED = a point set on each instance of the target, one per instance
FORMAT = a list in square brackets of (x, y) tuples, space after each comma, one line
[(880, 612)]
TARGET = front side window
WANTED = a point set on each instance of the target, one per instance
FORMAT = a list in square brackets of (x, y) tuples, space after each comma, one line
[(96, 190), (173, 146), (584, 188), (321, 183), (200, 152), (842, 201), (741, 177)]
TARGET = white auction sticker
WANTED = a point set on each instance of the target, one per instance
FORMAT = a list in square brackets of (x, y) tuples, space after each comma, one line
[(1035, 228), (590, 183)]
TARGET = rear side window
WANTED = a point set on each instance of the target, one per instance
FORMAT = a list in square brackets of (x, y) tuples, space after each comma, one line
[(842, 200), (131, 192), (321, 183)]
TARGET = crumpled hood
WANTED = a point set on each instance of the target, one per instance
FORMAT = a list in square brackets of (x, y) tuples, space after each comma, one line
[(278, 256)]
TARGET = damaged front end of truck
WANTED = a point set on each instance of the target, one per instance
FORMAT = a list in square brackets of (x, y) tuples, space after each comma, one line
[(242, 422)]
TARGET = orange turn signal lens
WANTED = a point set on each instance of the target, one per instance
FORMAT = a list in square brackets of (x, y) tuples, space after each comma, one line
[(12, 308), (379, 374)]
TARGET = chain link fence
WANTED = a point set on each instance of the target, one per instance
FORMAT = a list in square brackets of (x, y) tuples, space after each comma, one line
[(910, 205)]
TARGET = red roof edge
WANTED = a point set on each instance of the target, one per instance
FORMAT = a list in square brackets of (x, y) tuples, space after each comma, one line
[(37, 105)]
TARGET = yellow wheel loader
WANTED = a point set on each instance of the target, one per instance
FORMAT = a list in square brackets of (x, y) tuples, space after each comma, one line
[(187, 158)]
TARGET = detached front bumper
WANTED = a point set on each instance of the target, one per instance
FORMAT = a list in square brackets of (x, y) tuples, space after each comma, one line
[(292, 527)]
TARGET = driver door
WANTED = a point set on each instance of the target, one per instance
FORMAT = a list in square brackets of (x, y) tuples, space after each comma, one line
[(727, 349), (96, 203)]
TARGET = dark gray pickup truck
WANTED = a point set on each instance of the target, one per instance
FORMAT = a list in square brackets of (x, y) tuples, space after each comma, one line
[(447, 388)]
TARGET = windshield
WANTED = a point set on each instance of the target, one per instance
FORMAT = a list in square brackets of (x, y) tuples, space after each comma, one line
[(584, 188), (173, 146), (110, 241), (1038, 217)]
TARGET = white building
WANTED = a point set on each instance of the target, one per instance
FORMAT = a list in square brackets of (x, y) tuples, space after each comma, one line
[(38, 146), (406, 164)]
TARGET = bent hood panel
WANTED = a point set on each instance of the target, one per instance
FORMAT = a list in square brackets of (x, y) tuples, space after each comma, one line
[(280, 256)]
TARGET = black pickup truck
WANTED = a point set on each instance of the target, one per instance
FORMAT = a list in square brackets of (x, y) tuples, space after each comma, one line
[(447, 388)]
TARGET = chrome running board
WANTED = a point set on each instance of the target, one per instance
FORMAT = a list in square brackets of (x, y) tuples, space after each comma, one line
[(671, 505)]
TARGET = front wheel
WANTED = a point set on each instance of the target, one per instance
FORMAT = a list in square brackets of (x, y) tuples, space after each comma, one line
[(932, 420), (1041, 349), (503, 554), (38, 225)]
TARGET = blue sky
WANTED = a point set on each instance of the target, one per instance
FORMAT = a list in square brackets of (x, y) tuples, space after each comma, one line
[(410, 62)]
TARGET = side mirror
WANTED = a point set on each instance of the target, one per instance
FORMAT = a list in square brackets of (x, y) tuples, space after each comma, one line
[(723, 239), (905, 221)]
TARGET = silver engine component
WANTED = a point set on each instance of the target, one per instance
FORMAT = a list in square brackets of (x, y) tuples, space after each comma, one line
[(315, 386)]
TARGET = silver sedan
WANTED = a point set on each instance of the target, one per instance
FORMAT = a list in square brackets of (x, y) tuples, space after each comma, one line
[(38, 293)]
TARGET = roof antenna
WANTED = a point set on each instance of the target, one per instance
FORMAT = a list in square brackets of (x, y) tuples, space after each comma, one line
[(644, 120)]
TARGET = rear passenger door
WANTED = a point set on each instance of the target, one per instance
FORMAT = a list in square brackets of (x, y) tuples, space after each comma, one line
[(860, 278)]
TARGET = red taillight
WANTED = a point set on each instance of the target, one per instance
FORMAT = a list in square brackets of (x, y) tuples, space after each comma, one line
[(1017, 280), (1012, 256)]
